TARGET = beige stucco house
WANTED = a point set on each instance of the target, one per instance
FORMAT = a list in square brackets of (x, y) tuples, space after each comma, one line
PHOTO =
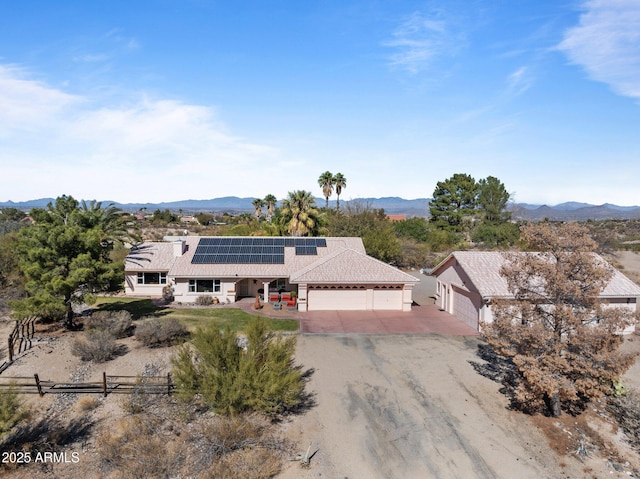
[(325, 273), (467, 281)]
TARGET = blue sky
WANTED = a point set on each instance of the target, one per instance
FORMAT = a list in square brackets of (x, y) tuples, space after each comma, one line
[(162, 100)]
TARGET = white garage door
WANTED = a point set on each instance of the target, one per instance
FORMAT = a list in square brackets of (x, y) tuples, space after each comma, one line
[(336, 299), (464, 309), (387, 299)]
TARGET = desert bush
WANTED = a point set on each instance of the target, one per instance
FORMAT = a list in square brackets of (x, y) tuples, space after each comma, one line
[(230, 380), (118, 323), (97, 345), (12, 410), (237, 447), (204, 300), (160, 332), (414, 254), (143, 398), (135, 447), (626, 410), (87, 404)]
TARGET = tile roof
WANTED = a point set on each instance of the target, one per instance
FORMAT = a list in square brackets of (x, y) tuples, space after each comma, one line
[(152, 256), (344, 260), (351, 267), (483, 269)]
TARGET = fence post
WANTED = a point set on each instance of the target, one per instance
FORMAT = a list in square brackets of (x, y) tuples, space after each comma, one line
[(38, 385), (169, 384), (10, 350), (104, 384)]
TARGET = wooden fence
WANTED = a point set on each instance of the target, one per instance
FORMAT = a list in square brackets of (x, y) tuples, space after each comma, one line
[(21, 337), (108, 385)]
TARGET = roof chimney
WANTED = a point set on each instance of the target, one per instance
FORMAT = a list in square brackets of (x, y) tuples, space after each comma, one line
[(178, 248)]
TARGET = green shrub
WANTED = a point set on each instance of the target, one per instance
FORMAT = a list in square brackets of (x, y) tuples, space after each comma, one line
[(229, 380), (12, 410), (97, 345), (204, 300), (161, 332), (117, 323)]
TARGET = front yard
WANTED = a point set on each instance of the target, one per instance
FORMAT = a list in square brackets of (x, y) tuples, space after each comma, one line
[(190, 316)]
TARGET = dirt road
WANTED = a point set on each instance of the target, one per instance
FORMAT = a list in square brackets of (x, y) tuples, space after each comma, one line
[(407, 406)]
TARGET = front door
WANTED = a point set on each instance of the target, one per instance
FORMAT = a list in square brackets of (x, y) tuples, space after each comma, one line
[(243, 288)]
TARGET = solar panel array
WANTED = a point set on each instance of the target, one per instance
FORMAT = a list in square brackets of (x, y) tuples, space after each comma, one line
[(251, 250)]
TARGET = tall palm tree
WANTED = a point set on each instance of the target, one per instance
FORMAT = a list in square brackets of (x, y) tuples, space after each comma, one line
[(258, 204), (300, 213), (339, 181), (326, 183), (270, 201)]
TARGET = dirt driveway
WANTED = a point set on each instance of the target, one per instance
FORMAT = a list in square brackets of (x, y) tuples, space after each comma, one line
[(411, 406)]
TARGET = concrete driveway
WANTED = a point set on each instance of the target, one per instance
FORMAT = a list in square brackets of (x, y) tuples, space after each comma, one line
[(424, 317), (427, 319)]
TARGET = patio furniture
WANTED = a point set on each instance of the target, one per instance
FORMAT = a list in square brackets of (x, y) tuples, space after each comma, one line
[(292, 305)]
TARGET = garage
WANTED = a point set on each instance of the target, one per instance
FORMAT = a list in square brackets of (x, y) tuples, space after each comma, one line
[(343, 298), (387, 298), (464, 307)]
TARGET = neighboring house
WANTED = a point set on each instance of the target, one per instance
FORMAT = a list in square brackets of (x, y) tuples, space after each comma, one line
[(325, 273), (467, 281), (189, 219), (396, 217)]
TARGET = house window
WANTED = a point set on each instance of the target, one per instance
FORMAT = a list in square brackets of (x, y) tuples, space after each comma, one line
[(204, 286), (438, 287), (152, 278)]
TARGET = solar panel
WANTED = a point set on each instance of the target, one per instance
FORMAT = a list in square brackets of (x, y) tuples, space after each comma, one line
[(306, 250), (253, 250)]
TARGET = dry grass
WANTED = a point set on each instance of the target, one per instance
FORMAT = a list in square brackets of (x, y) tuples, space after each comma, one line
[(143, 445), (88, 403)]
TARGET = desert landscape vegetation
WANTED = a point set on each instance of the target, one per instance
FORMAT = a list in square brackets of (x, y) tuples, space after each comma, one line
[(248, 396)]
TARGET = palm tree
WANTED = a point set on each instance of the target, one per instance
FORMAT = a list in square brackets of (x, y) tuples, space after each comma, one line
[(326, 183), (270, 201), (299, 212), (339, 181), (109, 220), (258, 204)]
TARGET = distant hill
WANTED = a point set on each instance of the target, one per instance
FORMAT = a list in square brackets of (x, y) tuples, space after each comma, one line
[(569, 211), (575, 213)]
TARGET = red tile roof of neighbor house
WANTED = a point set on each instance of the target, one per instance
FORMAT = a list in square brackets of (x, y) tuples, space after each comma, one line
[(396, 217)]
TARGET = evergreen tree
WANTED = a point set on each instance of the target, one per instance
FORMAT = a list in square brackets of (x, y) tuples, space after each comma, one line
[(64, 256), (453, 200), (492, 200)]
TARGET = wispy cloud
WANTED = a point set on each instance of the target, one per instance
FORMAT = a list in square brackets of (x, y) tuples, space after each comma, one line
[(419, 40), (606, 43), (168, 147), (519, 81), (27, 103)]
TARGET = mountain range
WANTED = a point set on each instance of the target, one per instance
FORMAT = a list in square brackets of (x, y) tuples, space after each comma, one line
[(392, 205)]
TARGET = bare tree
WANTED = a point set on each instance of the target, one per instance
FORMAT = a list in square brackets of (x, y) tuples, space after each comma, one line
[(561, 336)]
